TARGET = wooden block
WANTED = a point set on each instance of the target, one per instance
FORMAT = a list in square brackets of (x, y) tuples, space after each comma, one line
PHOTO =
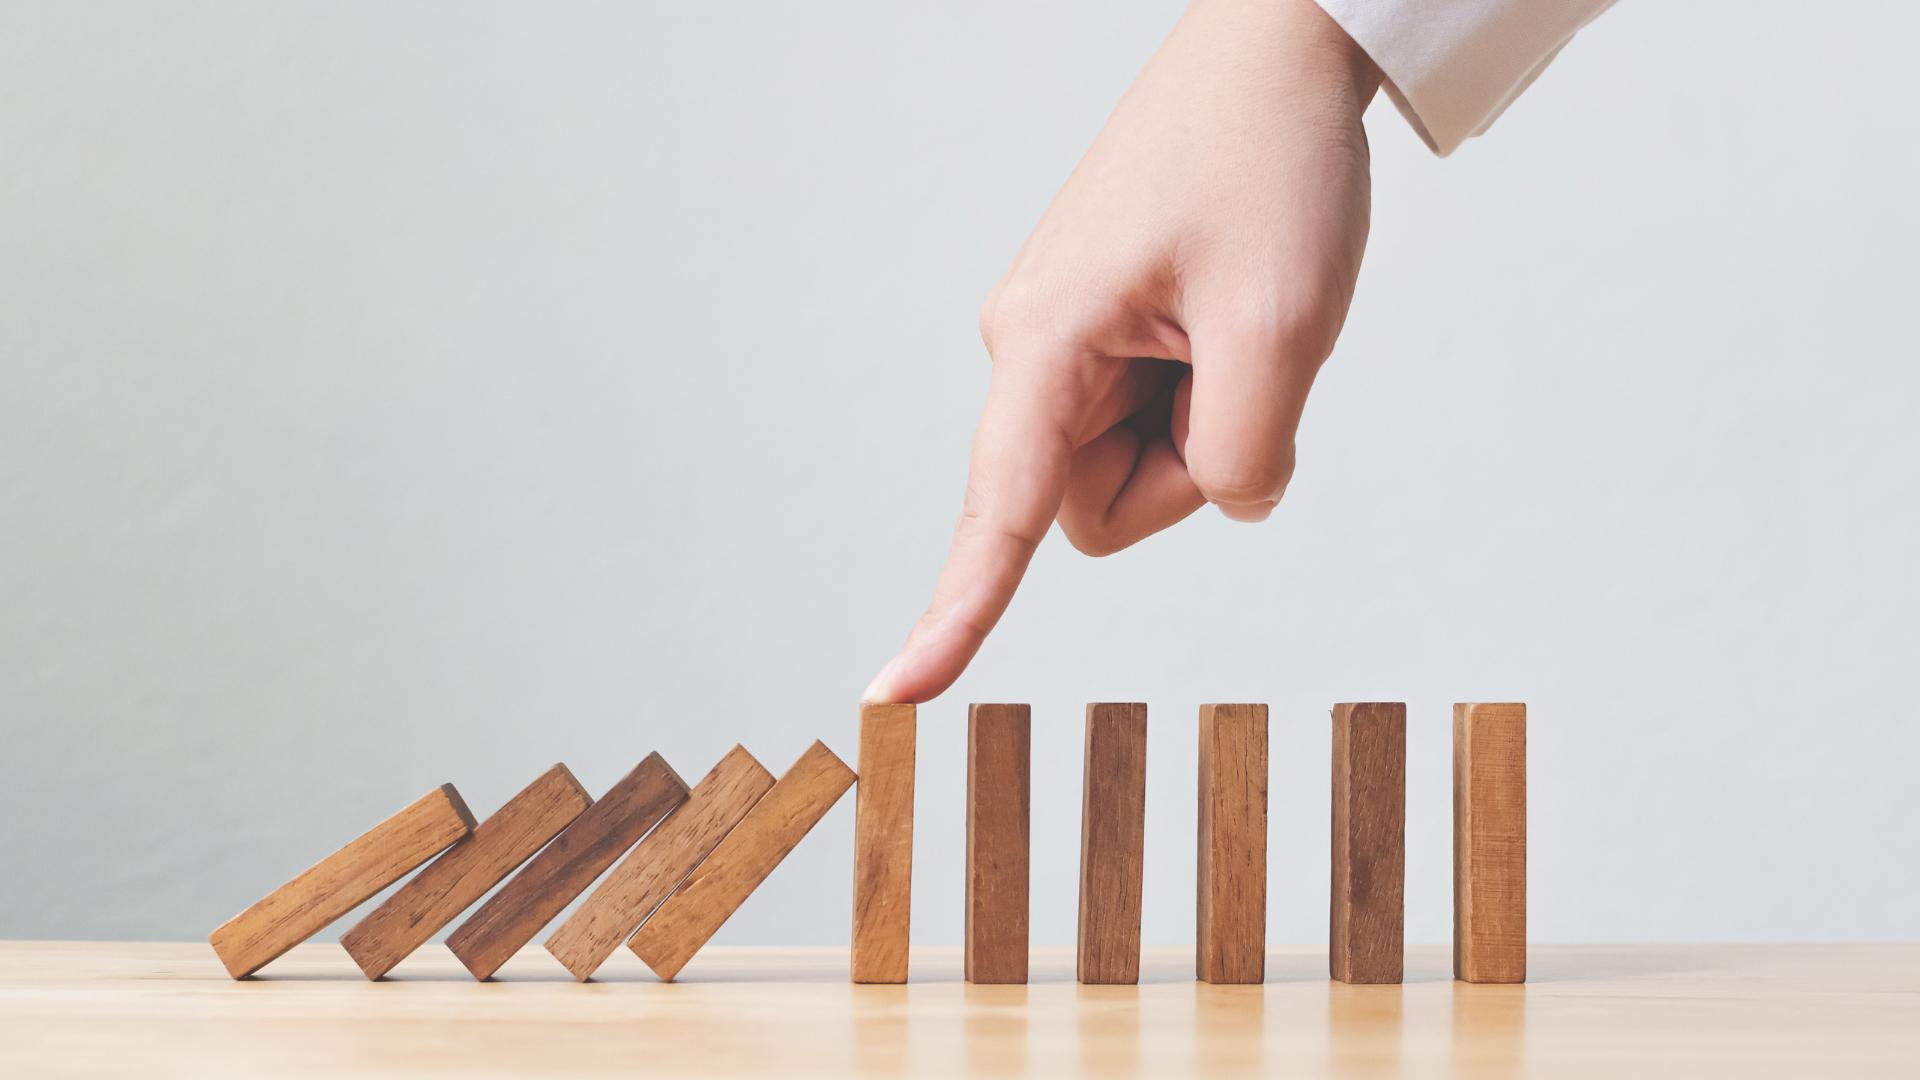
[(1113, 830), (341, 882), (1490, 843), (650, 872), (420, 908), (720, 884), (1369, 842), (511, 917), (1232, 909), (999, 797), (883, 844)]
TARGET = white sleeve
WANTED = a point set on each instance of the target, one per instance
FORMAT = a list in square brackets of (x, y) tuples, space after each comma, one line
[(1452, 66)]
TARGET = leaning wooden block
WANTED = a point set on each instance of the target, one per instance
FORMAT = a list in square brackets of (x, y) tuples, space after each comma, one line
[(564, 868), (417, 910), (650, 871), (1113, 829), (999, 797), (1490, 843), (1369, 841), (1232, 908), (883, 844), (341, 882), (718, 886)]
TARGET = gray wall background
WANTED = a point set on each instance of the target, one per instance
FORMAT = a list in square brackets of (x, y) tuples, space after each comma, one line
[(400, 393)]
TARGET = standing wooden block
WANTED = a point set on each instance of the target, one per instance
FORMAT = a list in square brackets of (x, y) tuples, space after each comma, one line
[(1232, 909), (1490, 843), (669, 853), (999, 797), (883, 844), (417, 910), (718, 886), (1369, 841), (1113, 831), (511, 917), (341, 882)]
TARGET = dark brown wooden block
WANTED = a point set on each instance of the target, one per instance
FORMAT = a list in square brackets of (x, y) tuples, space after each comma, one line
[(999, 796), (1490, 843), (1232, 905), (1369, 842), (883, 844), (1113, 830), (341, 882), (565, 867), (450, 884)]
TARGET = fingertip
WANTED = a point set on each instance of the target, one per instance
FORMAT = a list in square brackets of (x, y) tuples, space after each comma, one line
[(1251, 513)]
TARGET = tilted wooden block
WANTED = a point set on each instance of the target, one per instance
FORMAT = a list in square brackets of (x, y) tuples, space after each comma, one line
[(883, 844), (651, 870), (723, 881), (1113, 829), (341, 882), (450, 884), (999, 798), (1232, 909), (1369, 842), (1490, 843), (531, 898)]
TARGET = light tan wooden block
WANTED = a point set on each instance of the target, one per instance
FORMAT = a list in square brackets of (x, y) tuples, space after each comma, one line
[(1369, 842), (1232, 908), (453, 882), (565, 867), (883, 844), (999, 803), (651, 870), (1490, 843), (1113, 830), (719, 885), (341, 882)]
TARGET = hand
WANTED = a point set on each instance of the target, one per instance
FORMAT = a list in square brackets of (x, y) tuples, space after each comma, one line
[(1155, 339)]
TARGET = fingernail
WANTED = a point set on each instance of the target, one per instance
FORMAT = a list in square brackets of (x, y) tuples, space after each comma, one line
[(880, 689), (1250, 512)]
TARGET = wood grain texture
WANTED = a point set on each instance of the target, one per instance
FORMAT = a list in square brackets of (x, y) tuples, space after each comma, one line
[(565, 867), (999, 804), (652, 870), (883, 844), (1367, 912), (453, 882), (341, 882), (1113, 831), (1490, 843), (720, 884), (1232, 907)]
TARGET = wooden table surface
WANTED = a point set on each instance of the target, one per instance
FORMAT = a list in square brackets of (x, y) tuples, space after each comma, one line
[(69, 1008)]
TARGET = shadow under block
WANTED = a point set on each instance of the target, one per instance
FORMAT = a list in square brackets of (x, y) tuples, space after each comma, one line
[(999, 800), (565, 867), (341, 882), (1232, 907), (723, 881), (450, 884), (1490, 843), (883, 844), (651, 870), (1113, 830), (1367, 915)]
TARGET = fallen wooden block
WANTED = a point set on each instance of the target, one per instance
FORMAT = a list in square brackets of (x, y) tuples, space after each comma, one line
[(883, 844), (450, 884), (1490, 843), (1113, 829), (717, 887), (1232, 908), (341, 882), (660, 862), (999, 796), (511, 917), (1369, 842)]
